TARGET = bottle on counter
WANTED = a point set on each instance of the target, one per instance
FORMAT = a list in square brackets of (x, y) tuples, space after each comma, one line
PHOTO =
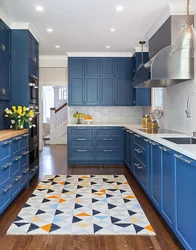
[(153, 124), (145, 120)]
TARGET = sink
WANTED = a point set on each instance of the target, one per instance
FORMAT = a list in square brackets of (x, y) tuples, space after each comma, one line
[(181, 140)]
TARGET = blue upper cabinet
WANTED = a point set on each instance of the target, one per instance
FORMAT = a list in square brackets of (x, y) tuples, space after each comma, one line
[(4, 61), (123, 91), (124, 66), (76, 66), (91, 66), (142, 97), (33, 49), (107, 66), (107, 81), (107, 91)]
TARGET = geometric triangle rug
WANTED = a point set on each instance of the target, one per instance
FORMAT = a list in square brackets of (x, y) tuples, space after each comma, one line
[(82, 205)]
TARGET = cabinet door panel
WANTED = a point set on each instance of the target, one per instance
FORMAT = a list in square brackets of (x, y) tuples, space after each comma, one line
[(156, 175), (123, 66), (35, 51), (91, 90), (76, 91), (76, 66), (91, 66), (123, 91), (168, 186), (107, 66), (185, 189), (107, 91)]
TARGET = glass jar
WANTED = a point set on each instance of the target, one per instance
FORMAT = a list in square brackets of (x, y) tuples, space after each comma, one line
[(152, 124), (145, 120)]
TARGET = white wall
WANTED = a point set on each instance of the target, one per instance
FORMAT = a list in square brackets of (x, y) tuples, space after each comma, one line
[(108, 115)]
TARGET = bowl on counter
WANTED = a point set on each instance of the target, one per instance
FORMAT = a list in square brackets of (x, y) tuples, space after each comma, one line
[(88, 121)]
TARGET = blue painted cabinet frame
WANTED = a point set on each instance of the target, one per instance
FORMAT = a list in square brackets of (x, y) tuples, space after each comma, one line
[(100, 82), (142, 96), (4, 61)]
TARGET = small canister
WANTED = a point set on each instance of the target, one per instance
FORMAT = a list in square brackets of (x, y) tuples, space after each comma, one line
[(152, 124), (145, 120)]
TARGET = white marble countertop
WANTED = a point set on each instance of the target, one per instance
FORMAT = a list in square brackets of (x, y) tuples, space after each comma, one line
[(185, 149)]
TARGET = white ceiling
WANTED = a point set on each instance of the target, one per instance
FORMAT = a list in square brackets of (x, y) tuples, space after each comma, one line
[(83, 25)]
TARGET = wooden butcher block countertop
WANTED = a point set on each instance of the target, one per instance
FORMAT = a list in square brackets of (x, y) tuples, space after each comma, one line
[(9, 133)]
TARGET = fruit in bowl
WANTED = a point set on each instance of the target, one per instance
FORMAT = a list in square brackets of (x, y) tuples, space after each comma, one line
[(88, 118), (78, 116)]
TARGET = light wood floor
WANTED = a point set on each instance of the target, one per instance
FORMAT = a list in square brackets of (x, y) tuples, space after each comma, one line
[(53, 161)]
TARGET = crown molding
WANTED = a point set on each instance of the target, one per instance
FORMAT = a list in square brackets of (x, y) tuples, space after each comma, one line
[(25, 26), (5, 18), (99, 54), (139, 49)]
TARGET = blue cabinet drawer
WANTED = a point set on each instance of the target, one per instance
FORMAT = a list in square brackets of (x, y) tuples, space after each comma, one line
[(141, 173), (33, 171), (15, 167), (108, 131), (108, 155), (25, 175), (24, 158), (5, 196), (5, 149), (15, 146), (81, 143), (108, 142), (80, 132), (81, 155), (141, 141), (24, 142), (5, 172), (140, 153), (16, 185)]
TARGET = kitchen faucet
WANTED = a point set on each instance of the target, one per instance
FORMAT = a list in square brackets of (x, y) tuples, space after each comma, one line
[(188, 110)]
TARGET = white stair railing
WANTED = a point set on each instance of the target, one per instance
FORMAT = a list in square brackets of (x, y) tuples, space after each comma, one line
[(58, 118)]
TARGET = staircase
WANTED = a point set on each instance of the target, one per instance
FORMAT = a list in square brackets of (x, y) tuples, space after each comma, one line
[(58, 118)]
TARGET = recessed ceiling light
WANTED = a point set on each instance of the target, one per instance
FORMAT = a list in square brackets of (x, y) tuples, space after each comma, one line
[(49, 30), (39, 8), (119, 8), (108, 47), (112, 29), (57, 46)]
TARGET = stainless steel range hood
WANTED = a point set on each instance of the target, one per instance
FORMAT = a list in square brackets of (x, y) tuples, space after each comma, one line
[(164, 70)]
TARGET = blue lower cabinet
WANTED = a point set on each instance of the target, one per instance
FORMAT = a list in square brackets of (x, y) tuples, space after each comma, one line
[(81, 155), (108, 131), (34, 171), (156, 174), (125, 145), (5, 149), (5, 172), (80, 132), (185, 202), (81, 143), (5, 195), (167, 207), (110, 155), (107, 142), (141, 173), (16, 185), (14, 168)]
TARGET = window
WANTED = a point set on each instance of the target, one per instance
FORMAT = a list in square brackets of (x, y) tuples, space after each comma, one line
[(157, 98), (48, 102)]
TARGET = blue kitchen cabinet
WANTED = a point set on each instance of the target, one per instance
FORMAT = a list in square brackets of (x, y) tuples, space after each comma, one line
[(185, 203), (91, 66), (155, 179), (125, 133), (142, 96), (107, 91), (107, 66), (167, 186), (123, 91), (130, 150), (33, 49), (107, 81), (4, 61), (76, 90), (14, 168), (123, 66), (91, 90), (4, 123)]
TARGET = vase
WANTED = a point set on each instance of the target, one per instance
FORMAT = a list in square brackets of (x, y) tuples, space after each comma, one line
[(18, 125)]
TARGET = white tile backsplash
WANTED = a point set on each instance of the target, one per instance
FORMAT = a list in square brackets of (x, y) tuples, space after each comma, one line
[(108, 115)]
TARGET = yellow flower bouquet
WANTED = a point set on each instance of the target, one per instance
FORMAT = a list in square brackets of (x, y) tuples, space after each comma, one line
[(20, 116)]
